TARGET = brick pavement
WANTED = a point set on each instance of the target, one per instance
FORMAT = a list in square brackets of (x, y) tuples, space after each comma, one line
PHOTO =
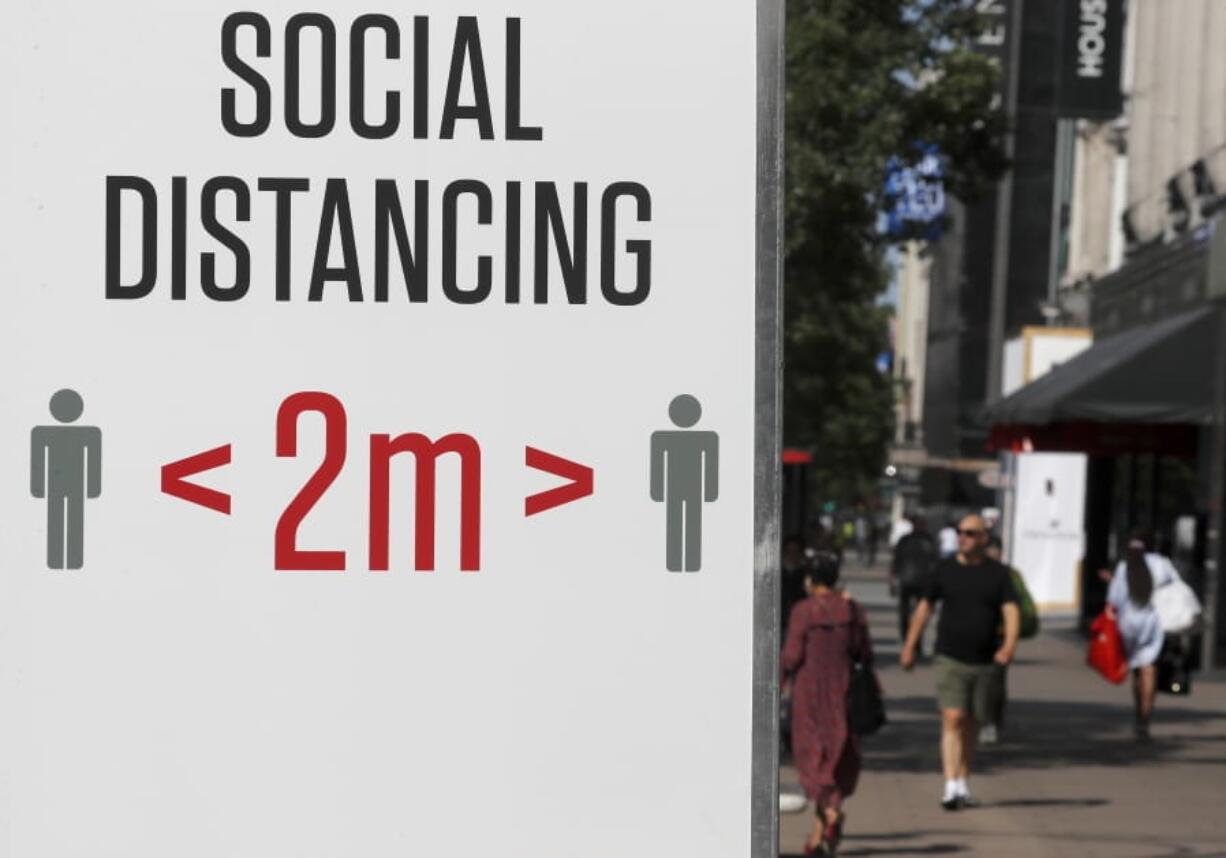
[(1068, 779)]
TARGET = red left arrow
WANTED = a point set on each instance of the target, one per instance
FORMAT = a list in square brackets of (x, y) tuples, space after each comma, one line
[(175, 484)]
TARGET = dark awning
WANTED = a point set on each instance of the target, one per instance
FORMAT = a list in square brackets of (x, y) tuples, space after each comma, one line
[(1158, 373)]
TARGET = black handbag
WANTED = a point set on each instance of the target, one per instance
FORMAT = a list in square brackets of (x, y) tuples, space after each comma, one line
[(1174, 675), (865, 708)]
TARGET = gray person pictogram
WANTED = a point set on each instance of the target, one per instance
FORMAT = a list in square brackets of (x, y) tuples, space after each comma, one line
[(684, 476), (66, 468)]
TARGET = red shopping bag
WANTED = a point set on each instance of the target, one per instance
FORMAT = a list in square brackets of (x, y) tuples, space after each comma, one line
[(1106, 651)]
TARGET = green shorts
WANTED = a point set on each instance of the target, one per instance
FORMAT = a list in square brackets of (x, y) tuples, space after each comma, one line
[(973, 688)]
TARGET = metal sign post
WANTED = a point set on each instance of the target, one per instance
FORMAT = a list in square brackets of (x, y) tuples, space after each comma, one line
[(768, 432)]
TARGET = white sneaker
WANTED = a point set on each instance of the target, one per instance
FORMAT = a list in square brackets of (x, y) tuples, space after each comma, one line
[(791, 802)]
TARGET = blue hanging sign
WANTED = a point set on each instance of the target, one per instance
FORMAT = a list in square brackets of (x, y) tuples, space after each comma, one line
[(914, 197)]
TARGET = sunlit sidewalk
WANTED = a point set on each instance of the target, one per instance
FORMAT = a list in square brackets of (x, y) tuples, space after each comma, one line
[(1068, 778)]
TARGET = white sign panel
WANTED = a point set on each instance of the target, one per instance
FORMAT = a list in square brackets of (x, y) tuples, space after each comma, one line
[(1048, 527), (378, 435)]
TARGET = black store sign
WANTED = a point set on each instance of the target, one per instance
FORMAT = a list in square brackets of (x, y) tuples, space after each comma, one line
[(1092, 46)]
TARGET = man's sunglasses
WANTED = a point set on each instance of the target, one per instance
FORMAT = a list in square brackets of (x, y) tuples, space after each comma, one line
[(962, 532)]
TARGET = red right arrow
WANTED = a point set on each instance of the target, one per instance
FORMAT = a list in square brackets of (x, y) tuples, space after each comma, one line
[(580, 485), (174, 484)]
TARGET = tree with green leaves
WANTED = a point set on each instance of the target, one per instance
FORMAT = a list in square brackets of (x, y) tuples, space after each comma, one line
[(867, 80)]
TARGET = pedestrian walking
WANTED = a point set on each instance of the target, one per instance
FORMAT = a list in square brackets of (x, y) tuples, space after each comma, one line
[(862, 527), (1130, 603), (978, 597), (899, 528), (825, 541), (1028, 627), (825, 632), (947, 540), (847, 538), (910, 569)]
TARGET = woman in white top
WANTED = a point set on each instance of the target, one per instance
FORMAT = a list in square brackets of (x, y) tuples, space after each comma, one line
[(1130, 598)]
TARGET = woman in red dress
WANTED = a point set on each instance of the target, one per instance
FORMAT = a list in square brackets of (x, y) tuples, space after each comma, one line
[(824, 632)]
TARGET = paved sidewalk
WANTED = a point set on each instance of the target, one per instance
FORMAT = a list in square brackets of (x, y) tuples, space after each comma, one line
[(1068, 779)]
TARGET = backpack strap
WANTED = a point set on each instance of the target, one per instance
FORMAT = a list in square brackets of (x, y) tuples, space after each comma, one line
[(857, 642)]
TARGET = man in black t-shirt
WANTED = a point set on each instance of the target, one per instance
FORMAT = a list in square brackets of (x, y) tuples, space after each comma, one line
[(978, 597)]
